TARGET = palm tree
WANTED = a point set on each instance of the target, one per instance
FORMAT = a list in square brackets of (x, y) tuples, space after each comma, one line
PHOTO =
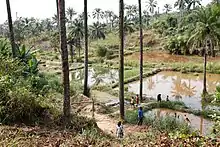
[(167, 8), (113, 19), (146, 17), (70, 13), (65, 64), (121, 58), (98, 13), (97, 31), (57, 4), (181, 4), (12, 39), (193, 3), (206, 32), (128, 26), (77, 33), (86, 90), (151, 5), (141, 50)]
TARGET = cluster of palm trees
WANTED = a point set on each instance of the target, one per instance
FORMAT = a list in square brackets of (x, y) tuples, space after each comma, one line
[(206, 33)]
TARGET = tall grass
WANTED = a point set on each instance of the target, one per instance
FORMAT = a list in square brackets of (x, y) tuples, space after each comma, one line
[(166, 124)]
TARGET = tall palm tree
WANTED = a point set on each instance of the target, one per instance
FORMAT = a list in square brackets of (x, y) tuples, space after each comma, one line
[(97, 31), (65, 64), (57, 4), (141, 50), (86, 91), (151, 5), (128, 26), (70, 13), (121, 58), (167, 8), (181, 4), (146, 17), (12, 39), (206, 32), (192, 3), (77, 33), (98, 14)]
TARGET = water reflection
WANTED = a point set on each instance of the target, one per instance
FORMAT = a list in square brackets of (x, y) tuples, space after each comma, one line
[(96, 76), (197, 123), (184, 87)]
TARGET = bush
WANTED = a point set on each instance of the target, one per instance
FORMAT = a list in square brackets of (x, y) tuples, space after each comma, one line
[(101, 51)]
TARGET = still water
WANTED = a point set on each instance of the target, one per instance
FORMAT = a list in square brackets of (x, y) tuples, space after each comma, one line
[(184, 87), (196, 122)]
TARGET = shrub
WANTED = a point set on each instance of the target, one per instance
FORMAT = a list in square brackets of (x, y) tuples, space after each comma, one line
[(101, 51)]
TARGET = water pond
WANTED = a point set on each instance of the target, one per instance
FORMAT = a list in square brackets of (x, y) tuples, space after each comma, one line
[(197, 123), (184, 87)]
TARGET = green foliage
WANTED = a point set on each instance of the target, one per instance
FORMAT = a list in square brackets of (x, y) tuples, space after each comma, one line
[(216, 127), (164, 124), (4, 48), (101, 51), (217, 94)]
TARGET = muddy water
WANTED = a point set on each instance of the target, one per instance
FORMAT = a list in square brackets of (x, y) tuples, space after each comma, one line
[(96, 76), (185, 87), (196, 122)]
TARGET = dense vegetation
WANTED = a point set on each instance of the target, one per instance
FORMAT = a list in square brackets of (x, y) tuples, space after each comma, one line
[(31, 87)]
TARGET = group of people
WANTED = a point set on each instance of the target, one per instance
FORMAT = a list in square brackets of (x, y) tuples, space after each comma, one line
[(159, 99), (134, 101), (119, 127)]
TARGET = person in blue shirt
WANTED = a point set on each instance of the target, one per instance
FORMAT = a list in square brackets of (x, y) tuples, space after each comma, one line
[(140, 116)]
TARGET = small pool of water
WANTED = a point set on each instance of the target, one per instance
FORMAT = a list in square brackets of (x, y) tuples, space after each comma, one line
[(184, 87), (96, 76), (197, 122)]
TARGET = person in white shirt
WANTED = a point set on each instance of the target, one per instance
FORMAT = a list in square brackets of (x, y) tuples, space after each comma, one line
[(119, 130)]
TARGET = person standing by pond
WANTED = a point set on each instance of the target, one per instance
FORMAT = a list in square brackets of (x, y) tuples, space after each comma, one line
[(132, 101), (140, 116), (137, 99)]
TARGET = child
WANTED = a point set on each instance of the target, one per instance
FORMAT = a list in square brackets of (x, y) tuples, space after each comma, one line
[(132, 101), (168, 98), (137, 99), (119, 130)]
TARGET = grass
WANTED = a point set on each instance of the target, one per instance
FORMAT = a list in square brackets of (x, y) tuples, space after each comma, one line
[(166, 124)]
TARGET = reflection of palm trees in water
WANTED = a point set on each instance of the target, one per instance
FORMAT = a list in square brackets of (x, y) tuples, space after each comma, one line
[(177, 88), (182, 88), (150, 83), (188, 89)]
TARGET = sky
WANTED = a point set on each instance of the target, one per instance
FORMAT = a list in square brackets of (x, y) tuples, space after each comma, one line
[(47, 8)]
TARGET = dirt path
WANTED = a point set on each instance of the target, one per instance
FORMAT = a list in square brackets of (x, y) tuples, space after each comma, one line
[(108, 125)]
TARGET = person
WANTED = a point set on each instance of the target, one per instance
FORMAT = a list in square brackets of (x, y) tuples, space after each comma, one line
[(175, 114), (187, 119), (132, 101), (119, 130), (168, 98), (137, 99), (140, 116), (159, 98)]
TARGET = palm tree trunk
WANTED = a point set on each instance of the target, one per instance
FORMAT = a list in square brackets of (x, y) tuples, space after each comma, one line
[(71, 52), (121, 58), (65, 64), (10, 25), (86, 92), (204, 79), (141, 51), (58, 22)]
